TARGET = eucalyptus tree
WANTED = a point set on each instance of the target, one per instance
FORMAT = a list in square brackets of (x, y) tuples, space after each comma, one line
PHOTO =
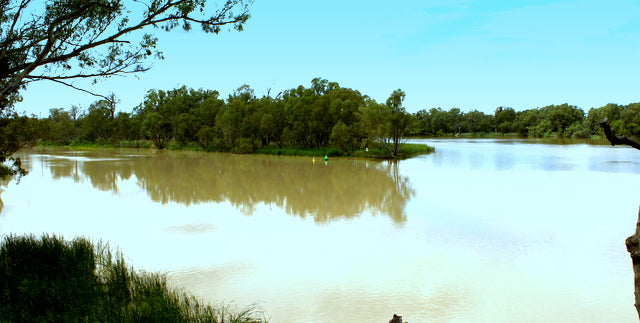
[(374, 123), (60, 127), (98, 124), (398, 119), (233, 121), (476, 121), (503, 119)]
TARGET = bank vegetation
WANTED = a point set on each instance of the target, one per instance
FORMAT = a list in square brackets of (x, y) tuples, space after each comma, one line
[(321, 116), (50, 279)]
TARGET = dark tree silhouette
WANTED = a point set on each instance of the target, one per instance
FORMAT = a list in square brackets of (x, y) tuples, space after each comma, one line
[(633, 241)]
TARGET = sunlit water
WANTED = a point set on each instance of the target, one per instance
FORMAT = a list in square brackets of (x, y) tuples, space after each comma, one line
[(480, 231)]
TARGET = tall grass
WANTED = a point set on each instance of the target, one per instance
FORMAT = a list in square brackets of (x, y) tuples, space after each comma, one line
[(49, 279)]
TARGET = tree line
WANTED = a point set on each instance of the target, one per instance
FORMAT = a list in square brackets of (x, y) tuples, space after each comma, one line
[(323, 114), (564, 121)]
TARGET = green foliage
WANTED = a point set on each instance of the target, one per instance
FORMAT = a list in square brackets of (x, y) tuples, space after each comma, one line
[(503, 119), (60, 127), (341, 137), (551, 121), (157, 128), (98, 124), (49, 279), (16, 132), (405, 150), (243, 146), (398, 120), (207, 137)]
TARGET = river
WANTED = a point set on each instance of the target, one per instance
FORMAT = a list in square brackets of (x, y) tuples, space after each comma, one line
[(482, 230)]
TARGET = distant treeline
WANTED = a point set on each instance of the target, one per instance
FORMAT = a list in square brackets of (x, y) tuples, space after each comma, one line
[(321, 115), (563, 120)]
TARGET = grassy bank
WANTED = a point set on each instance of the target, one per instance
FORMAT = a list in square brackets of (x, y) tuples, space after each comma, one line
[(309, 152), (49, 279), (405, 151)]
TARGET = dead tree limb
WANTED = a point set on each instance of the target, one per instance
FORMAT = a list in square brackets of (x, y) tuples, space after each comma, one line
[(633, 247), (617, 140), (632, 242)]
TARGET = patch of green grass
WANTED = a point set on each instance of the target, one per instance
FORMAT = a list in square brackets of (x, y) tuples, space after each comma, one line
[(49, 279), (136, 144), (404, 151), (410, 150), (309, 152), (174, 145), (105, 144)]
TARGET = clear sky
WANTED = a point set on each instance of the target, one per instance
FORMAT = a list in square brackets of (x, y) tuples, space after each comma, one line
[(466, 54)]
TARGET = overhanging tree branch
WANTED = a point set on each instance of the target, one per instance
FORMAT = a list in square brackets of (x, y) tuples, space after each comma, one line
[(95, 37), (77, 88), (633, 241), (617, 140)]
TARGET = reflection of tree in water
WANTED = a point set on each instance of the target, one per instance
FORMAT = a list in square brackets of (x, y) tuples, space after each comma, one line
[(104, 173), (342, 189)]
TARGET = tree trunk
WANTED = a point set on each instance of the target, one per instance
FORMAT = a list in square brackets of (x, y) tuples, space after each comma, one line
[(633, 246), (632, 242)]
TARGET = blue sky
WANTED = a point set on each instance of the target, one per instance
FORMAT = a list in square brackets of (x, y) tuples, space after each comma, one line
[(466, 54)]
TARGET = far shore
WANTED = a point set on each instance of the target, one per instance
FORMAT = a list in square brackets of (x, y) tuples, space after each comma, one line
[(405, 151)]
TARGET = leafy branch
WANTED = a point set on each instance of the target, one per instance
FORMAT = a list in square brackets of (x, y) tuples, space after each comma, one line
[(76, 39)]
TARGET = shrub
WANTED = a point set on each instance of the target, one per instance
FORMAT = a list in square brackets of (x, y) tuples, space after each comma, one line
[(243, 146)]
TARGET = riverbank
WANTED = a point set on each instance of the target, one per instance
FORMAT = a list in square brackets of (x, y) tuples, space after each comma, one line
[(405, 150)]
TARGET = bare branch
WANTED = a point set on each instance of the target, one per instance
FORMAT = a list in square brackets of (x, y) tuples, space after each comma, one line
[(77, 88), (617, 140)]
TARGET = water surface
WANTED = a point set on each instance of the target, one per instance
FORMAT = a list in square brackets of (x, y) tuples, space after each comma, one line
[(481, 230)]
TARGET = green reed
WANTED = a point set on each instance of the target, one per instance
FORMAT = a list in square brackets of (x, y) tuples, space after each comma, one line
[(49, 279)]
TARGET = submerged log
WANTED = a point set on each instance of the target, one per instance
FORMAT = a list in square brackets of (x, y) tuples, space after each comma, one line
[(633, 247)]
